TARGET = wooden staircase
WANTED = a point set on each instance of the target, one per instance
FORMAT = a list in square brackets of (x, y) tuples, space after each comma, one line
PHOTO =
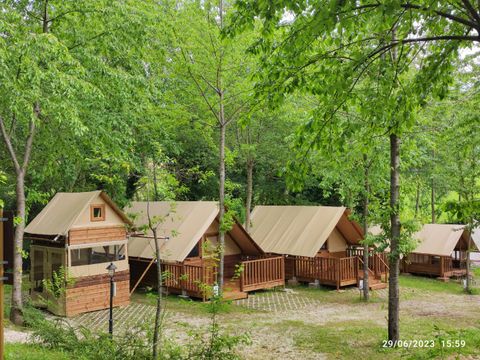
[(232, 290), (374, 283)]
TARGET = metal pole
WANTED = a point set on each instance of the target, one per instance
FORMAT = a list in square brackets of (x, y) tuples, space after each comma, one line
[(110, 320)]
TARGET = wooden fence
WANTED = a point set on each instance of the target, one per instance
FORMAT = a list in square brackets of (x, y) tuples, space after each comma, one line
[(262, 273)]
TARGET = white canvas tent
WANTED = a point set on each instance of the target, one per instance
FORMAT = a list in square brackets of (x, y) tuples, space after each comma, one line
[(185, 222), (302, 230), (441, 239)]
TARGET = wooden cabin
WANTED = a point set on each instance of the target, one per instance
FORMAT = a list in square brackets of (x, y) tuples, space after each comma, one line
[(186, 235), (81, 233), (321, 244), (441, 251)]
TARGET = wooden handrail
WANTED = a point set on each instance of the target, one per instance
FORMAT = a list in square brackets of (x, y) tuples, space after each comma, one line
[(262, 272), (369, 270)]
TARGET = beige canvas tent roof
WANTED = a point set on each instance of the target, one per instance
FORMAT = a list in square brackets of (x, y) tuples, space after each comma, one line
[(300, 230), (64, 209), (186, 225), (441, 239)]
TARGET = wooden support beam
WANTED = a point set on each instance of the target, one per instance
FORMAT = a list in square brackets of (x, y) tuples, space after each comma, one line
[(142, 276)]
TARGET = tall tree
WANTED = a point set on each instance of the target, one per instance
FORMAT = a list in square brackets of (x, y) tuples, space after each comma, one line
[(338, 37), (63, 70), (219, 70)]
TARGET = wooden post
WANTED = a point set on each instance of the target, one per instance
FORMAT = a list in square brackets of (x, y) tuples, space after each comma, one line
[(442, 266), (337, 263)]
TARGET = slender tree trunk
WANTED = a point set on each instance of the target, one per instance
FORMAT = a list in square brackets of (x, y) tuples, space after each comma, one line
[(223, 126), (16, 312), (158, 312), (417, 200), (467, 262), (248, 202), (156, 196), (20, 171), (433, 202), (366, 290), (433, 191), (221, 240), (393, 290)]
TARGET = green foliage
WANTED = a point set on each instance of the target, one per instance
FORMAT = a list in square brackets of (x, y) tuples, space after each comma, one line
[(57, 286), (81, 343)]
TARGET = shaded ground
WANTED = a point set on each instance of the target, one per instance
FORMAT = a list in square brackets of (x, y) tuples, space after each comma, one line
[(305, 323)]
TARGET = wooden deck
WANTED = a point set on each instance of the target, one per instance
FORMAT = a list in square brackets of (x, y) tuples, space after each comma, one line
[(196, 278), (442, 267), (339, 271)]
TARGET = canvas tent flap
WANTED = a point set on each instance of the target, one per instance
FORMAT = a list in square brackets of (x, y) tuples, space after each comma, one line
[(439, 239), (299, 230), (63, 210)]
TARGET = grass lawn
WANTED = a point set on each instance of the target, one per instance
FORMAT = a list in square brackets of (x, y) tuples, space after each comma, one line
[(32, 352), (430, 284), (355, 339)]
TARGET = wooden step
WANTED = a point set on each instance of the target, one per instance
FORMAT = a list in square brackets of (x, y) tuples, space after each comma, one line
[(234, 295), (377, 286)]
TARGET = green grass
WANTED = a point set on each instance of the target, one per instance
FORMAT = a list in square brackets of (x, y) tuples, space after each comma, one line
[(430, 284), (32, 352), (355, 339)]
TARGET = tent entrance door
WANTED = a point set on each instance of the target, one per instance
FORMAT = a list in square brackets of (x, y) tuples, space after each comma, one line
[(45, 262)]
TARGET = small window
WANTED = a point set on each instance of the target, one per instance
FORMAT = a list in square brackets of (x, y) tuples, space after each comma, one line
[(97, 212)]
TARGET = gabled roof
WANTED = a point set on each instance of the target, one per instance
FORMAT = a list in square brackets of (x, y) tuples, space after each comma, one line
[(300, 230), (441, 239), (58, 216), (184, 227)]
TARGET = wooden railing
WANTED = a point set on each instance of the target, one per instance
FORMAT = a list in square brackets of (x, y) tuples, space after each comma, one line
[(377, 262), (328, 270), (187, 277), (262, 273), (348, 268)]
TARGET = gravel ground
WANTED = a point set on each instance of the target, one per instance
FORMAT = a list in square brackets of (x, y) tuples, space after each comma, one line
[(14, 336)]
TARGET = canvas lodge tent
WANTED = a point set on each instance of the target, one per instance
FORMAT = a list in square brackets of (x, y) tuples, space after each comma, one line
[(185, 237), (441, 251), (321, 244), (82, 233)]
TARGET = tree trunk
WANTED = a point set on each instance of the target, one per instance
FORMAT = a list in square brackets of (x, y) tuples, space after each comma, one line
[(366, 294), (223, 127), (156, 196), (158, 313), (433, 201), (393, 290), (16, 315), (467, 260), (417, 200), (221, 214), (248, 202)]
